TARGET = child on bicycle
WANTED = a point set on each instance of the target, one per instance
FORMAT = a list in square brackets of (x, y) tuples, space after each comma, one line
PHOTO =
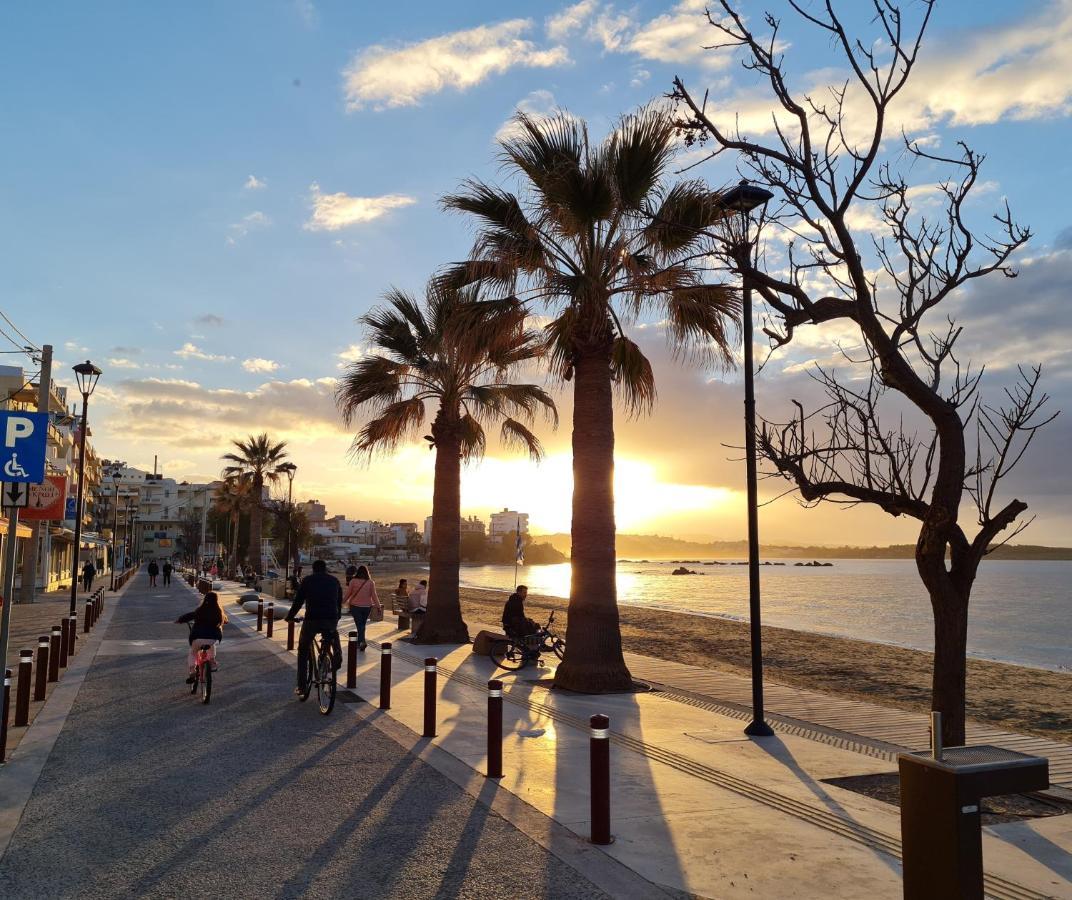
[(207, 629)]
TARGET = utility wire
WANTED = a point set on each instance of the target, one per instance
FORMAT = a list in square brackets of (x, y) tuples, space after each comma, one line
[(19, 333)]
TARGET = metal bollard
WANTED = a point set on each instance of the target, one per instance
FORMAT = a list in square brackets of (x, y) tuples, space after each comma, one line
[(430, 671), (87, 621), (22, 696), (351, 659), (65, 627), (54, 654), (495, 728), (260, 614), (4, 713), (72, 634), (270, 612), (290, 634), (385, 675), (600, 779), (42, 668)]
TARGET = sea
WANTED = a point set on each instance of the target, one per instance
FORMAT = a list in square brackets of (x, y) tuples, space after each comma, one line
[(1021, 610)]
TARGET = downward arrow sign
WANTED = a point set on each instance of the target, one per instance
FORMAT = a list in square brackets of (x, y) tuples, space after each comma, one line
[(14, 493)]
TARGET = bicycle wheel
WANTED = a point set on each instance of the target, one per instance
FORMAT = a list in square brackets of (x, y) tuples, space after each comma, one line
[(197, 680), (325, 683), (559, 647), (206, 681), (507, 655), (307, 679)]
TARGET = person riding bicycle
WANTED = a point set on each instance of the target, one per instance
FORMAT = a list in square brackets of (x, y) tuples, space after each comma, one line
[(206, 631), (321, 594)]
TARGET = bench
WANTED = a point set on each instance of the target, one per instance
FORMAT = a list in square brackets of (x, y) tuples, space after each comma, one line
[(400, 608)]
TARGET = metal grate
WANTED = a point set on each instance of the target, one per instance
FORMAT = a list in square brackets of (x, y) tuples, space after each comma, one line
[(984, 754)]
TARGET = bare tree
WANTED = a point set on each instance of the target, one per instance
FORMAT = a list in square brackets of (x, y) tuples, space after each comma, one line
[(826, 159)]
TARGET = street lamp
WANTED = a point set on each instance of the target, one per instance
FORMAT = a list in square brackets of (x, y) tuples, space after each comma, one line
[(743, 199), (87, 374), (117, 476), (290, 469)]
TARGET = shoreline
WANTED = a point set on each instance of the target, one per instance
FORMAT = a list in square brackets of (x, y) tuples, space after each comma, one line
[(1007, 695)]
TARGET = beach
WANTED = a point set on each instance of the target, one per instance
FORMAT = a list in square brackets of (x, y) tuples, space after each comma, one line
[(1034, 701)]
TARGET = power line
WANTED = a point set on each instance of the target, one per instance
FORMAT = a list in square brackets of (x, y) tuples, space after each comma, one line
[(19, 333)]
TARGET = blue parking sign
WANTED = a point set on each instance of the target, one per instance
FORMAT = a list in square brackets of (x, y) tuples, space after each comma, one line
[(23, 437)]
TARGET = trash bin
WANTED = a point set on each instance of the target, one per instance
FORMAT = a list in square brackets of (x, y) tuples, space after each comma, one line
[(941, 837)]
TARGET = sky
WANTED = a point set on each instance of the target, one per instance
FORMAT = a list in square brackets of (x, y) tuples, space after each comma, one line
[(203, 198)]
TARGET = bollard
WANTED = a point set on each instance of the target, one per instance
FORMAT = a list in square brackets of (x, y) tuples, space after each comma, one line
[(495, 728), (72, 634), (260, 614), (54, 654), (351, 659), (385, 675), (5, 710), (270, 612), (87, 621), (22, 697), (42, 668), (600, 779), (430, 671), (65, 627), (290, 634)]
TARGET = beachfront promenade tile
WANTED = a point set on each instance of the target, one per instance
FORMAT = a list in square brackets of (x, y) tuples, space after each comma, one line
[(695, 807)]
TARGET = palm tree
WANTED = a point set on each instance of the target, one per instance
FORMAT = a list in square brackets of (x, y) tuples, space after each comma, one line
[(232, 499), (258, 459), (597, 234), (457, 352)]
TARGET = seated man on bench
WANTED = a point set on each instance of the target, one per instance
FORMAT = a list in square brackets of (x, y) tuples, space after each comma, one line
[(514, 621)]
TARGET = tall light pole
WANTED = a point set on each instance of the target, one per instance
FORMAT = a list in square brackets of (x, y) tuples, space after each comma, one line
[(743, 199), (290, 469), (87, 375), (117, 476)]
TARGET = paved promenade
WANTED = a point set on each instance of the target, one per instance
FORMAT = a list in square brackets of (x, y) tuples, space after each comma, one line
[(148, 793)]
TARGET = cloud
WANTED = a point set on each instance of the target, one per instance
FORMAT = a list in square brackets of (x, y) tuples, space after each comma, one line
[(385, 77), (679, 36), (125, 351), (190, 351), (332, 212), (253, 183), (351, 354), (122, 363), (258, 364), (248, 223), (307, 13), (210, 319), (570, 20)]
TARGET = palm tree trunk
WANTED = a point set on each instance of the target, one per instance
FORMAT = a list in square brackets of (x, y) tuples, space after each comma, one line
[(443, 624), (256, 514), (593, 662)]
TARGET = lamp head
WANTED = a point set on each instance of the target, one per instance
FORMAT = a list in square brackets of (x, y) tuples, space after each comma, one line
[(745, 197), (87, 375)]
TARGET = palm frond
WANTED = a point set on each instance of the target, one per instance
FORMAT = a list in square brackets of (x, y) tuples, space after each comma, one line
[(473, 439), (384, 434), (513, 433), (680, 221), (389, 328), (496, 207), (640, 149), (633, 376), (372, 380), (702, 320), (495, 273)]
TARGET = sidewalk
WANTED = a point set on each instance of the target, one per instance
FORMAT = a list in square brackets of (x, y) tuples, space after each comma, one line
[(697, 807)]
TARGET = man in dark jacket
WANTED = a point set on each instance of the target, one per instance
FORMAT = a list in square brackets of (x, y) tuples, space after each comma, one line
[(88, 572), (321, 594), (515, 623)]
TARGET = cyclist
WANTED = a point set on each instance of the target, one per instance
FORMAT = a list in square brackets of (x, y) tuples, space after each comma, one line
[(514, 621), (321, 594), (208, 621)]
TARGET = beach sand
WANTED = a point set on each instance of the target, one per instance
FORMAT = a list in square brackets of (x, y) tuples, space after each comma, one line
[(1021, 699)]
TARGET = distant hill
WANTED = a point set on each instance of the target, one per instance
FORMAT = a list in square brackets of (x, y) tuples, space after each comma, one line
[(655, 546)]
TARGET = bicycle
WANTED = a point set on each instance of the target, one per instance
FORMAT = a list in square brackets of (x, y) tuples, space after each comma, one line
[(202, 670), (514, 653), (320, 670)]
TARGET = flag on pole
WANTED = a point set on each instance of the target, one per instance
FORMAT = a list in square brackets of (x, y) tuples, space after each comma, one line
[(519, 547)]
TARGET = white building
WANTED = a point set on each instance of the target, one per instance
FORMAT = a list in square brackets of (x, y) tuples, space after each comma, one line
[(506, 523), (470, 525)]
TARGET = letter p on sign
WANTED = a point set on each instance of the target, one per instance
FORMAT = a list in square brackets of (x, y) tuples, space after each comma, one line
[(18, 427)]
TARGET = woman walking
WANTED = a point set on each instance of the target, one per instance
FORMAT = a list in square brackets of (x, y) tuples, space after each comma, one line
[(153, 571), (361, 597)]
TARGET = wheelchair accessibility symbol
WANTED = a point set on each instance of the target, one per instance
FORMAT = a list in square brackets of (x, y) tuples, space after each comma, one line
[(23, 439)]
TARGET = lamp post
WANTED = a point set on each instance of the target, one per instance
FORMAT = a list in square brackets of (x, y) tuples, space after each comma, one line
[(117, 476), (743, 199), (290, 469), (87, 374)]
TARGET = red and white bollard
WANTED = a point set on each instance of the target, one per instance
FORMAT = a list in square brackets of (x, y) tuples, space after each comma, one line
[(495, 728), (385, 675), (270, 613), (41, 684), (87, 619), (431, 669), (72, 634), (6, 708), (22, 695), (65, 627), (290, 634), (54, 654), (260, 614), (351, 659), (599, 754)]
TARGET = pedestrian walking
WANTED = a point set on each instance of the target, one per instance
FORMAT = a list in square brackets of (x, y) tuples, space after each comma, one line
[(361, 597), (153, 570), (167, 572), (88, 571)]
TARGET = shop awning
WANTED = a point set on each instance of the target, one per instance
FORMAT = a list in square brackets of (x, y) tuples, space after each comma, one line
[(22, 531)]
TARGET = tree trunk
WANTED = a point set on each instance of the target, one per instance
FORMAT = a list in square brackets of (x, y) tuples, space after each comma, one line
[(256, 516), (443, 623), (949, 606), (593, 661), (232, 563)]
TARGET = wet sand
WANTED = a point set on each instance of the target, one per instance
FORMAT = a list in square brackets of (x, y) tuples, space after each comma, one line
[(1008, 696)]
